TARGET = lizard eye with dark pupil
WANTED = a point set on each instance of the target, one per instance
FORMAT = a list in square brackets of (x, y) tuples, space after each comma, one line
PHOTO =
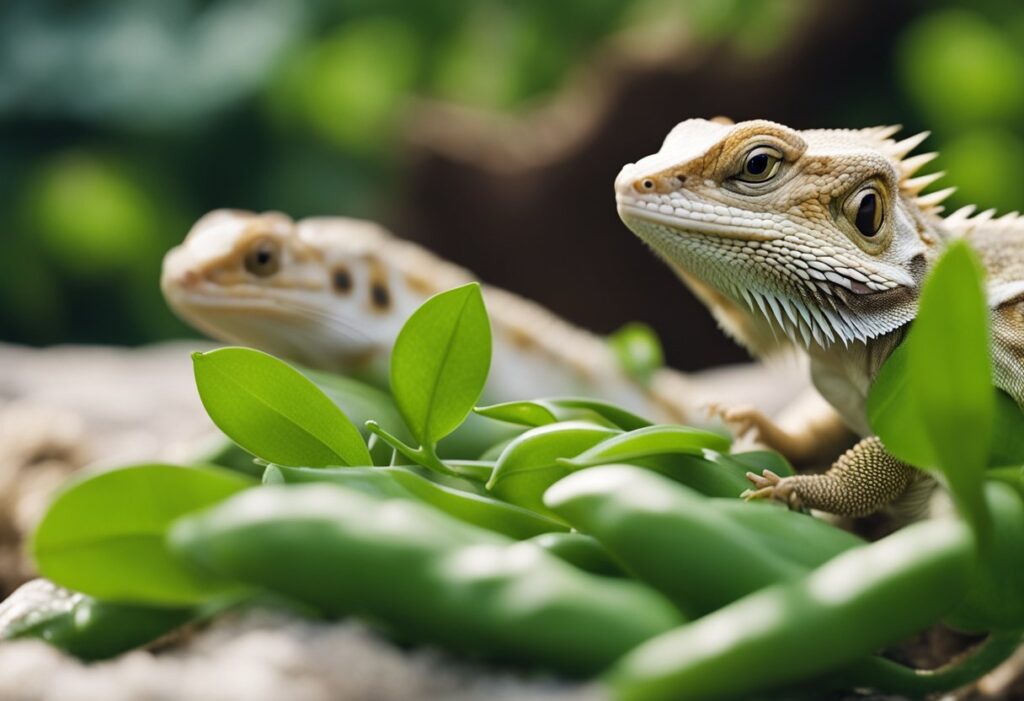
[(760, 165), (868, 218), (263, 258)]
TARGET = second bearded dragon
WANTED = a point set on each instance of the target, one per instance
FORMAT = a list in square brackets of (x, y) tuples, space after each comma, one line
[(332, 293)]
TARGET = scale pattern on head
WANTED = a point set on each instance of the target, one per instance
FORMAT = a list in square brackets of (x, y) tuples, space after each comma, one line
[(817, 236)]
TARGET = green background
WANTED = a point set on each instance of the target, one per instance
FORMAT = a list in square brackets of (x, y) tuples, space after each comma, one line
[(122, 123)]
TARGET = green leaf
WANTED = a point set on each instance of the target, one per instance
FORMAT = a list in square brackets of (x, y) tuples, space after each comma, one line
[(104, 535), (274, 411), (936, 404), (440, 362), (638, 349), (530, 463), (1007, 432), (649, 442), (541, 412), (994, 601), (359, 401), (754, 461), (409, 483), (894, 415)]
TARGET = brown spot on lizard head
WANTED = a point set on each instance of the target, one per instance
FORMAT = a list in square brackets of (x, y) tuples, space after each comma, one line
[(380, 291)]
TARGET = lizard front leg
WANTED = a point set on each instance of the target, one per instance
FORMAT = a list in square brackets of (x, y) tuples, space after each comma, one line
[(863, 480), (808, 429)]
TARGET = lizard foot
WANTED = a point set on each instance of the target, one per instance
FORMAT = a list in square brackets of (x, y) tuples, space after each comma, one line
[(740, 420), (746, 421), (769, 485)]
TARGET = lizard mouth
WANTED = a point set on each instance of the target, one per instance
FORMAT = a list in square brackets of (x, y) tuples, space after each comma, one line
[(686, 220)]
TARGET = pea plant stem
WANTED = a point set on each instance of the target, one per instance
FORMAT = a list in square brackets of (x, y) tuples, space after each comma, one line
[(880, 673), (424, 455)]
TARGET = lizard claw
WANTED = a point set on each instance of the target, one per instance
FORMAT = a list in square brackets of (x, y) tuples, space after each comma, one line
[(769, 485), (740, 420)]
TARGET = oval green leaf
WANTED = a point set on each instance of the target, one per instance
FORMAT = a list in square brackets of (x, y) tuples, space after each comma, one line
[(359, 401), (530, 464), (104, 535), (940, 392), (274, 411), (894, 415), (440, 362), (541, 412), (666, 439)]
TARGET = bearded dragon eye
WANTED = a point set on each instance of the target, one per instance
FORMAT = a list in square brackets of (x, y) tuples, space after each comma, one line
[(761, 164), (263, 258), (869, 214)]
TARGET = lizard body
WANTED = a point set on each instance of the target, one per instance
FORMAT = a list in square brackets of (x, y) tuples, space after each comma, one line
[(333, 293), (818, 240)]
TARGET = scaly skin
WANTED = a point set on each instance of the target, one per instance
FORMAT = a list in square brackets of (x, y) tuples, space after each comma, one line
[(818, 240), (332, 293)]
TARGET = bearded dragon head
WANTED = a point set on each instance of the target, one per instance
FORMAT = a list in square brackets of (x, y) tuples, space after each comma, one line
[(317, 291), (813, 237)]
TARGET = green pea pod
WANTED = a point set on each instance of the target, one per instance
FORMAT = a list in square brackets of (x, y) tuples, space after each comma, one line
[(853, 605), (995, 601), (541, 412), (80, 625), (580, 550), (653, 440), (424, 575), (686, 454), (667, 535), (799, 538), (413, 483), (530, 463), (758, 461)]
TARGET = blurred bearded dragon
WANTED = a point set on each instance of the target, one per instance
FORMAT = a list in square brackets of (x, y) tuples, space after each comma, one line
[(332, 293), (818, 239)]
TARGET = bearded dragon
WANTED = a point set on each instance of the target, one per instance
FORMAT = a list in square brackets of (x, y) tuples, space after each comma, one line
[(333, 293), (817, 240)]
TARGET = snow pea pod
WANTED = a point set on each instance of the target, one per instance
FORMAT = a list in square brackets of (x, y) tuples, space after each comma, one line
[(580, 550), (413, 483), (668, 536), (854, 604), (81, 625), (424, 575), (799, 538)]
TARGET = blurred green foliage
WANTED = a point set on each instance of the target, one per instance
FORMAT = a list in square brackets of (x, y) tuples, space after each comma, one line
[(121, 123), (963, 69)]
